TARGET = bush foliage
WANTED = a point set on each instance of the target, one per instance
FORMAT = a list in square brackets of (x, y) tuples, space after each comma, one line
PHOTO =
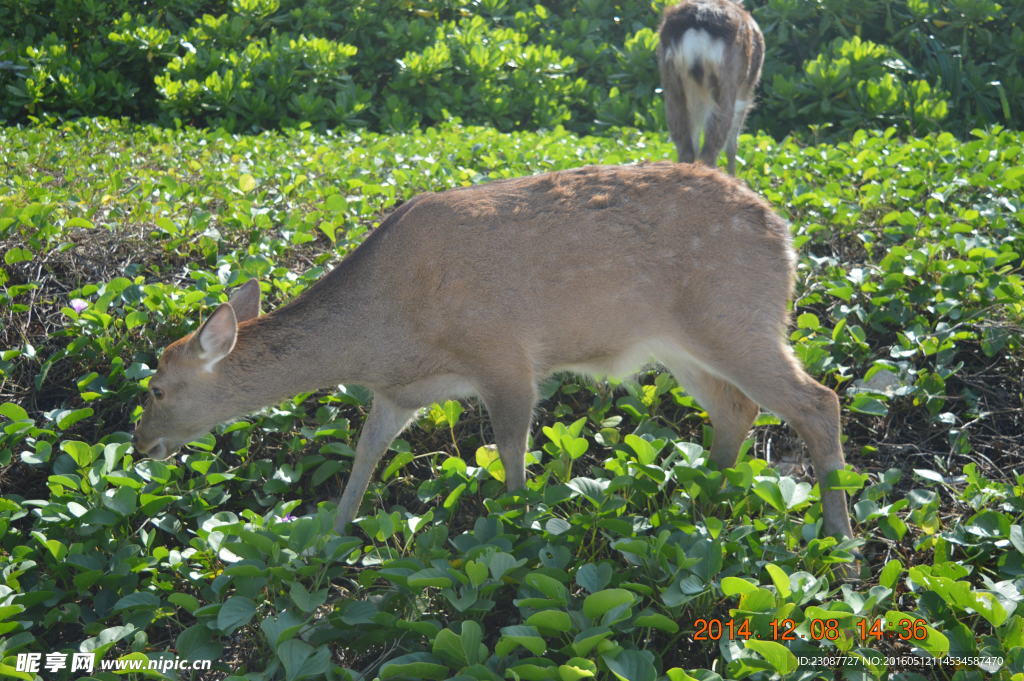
[(116, 238), (832, 65)]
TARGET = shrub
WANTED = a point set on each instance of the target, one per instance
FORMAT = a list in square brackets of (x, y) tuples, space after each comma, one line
[(913, 64), (483, 75), (268, 82), (969, 53), (856, 83), (71, 58)]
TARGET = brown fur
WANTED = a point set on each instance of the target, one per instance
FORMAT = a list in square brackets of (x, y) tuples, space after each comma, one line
[(485, 290), (710, 85)]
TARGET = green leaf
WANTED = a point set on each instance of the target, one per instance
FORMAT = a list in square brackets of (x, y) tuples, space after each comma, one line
[(597, 604), (586, 640), (557, 620), (779, 578), (577, 668), (286, 625), (632, 665), (929, 475), (135, 318), (152, 504), (769, 491), (399, 461), (890, 573), (487, 458), (447, 646), (12, 672), (808, 320), (13, 411), (142, 599), (1017, 537), (732, 586), (645, 452), (989, 524), (866, 404), (777, 655), (236, 612), (306, 601), (414, 667), (472, 642), (988, 606), (16, 254), (301, 660), (335, 203), (82, 453), (123, 479), (935, 643), (677, 674), (594, 577), (534, 670), (197, 643), (69, 417), (657, 621), (186, 601), (520, 635), (846, 480), (549, 586), (429, 577), (793, 493), (476, 571), (78, 223), (452, 410), (123, 501)]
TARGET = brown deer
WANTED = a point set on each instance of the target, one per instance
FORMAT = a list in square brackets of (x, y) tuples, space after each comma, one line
[(710, 55), (486, 290)]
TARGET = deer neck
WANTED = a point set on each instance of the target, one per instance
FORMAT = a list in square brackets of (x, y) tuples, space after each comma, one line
[(304, 346)]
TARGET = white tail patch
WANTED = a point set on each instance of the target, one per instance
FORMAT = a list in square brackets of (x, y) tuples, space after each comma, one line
[(698, 44), (697, 52)]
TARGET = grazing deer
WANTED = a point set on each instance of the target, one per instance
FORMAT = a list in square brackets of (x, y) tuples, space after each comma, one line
[(486, 290), (710, 55)]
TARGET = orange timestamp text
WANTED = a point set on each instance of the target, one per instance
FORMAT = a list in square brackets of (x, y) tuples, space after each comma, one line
[(818, 629)]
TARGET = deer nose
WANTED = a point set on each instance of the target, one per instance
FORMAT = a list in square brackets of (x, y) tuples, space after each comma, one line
[(140, 447)]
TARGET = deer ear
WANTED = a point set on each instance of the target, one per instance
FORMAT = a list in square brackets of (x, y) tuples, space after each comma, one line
[(216, 337), (246, 301)]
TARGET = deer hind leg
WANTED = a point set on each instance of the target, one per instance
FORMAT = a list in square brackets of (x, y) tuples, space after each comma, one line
[(765, 370), (720, 125), (773, 377), (683, 129), (740, 109), (385, 421), (731, 412)]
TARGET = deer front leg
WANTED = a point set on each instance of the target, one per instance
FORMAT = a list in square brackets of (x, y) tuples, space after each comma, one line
[(385, 422)]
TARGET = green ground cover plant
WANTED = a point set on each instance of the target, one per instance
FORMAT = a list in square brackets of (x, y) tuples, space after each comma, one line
[(831, 67), (116, 237)]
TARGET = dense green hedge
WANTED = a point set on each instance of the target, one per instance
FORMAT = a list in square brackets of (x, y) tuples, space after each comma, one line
[(834, 65)]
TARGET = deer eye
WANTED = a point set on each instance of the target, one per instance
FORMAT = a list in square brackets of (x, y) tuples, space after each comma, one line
[(157, 393)]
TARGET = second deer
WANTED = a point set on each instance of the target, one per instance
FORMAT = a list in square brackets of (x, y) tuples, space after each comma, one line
[(710, 55)]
